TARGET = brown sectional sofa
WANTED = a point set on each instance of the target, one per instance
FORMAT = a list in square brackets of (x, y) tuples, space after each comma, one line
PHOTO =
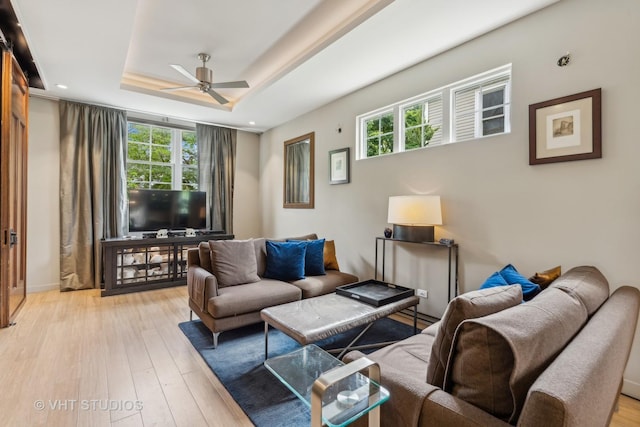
[(556, 360), (222, 308)]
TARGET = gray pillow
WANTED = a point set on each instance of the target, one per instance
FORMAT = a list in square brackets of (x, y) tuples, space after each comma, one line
[(233, 262), (466, 306)]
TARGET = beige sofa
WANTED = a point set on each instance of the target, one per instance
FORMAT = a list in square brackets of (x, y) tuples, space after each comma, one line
[(222, 308), (556, 360)]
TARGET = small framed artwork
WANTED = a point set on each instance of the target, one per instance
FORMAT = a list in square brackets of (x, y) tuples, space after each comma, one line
[(567, 128), (339, 166)]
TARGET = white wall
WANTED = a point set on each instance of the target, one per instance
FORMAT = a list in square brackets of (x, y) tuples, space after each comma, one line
[(43, 210), (43, 196), (497, 207), (246, 201)]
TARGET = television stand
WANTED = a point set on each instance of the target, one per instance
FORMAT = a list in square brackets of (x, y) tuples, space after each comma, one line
[(133, 265)]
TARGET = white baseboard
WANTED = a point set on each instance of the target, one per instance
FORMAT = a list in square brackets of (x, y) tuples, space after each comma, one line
[(43, 288), (631, 388)]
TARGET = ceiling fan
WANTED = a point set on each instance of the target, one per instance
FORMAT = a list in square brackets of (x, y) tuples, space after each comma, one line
[(204, 80)]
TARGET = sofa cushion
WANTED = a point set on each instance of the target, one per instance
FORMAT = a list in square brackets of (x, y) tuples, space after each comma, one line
[(494, 280), (545, 278), (511, 275), (233, 262), (285, 260), (411, 355), (469, 305), (204, 253), (588, 285), (261, 250), (261, 254), (494, 359), (311, 236), (313, 257), (314, 286), (236, 300), (330, 259)]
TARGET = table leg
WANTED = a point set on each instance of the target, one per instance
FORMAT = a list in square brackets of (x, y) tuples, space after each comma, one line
[(266, 340)]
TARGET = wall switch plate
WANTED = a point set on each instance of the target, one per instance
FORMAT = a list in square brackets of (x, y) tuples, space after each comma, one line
[(422, 293)]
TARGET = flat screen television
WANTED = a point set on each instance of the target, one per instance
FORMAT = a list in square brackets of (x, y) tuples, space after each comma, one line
[(152, 210)]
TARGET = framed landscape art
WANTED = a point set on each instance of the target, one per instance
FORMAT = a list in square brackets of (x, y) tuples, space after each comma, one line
[(567, 128)]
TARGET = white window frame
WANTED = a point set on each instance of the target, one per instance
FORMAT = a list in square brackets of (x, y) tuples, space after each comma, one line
[(506, 87), (481, 80), (175, 149), (447, 94), (361, 131), (423, 98)]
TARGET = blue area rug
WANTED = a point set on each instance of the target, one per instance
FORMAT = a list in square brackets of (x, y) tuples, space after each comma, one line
[(238, 363)]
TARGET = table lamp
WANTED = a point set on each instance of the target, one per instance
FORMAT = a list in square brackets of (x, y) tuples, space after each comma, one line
[(413, 217)]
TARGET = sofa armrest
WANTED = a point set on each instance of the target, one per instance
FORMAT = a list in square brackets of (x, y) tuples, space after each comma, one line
[(201, 285), (193, 257), (414, 402)]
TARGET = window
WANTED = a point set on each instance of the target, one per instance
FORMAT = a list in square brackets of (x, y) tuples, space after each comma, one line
[(161, 157), (379, 132), (422, 123), (469, 109), (481, 109)]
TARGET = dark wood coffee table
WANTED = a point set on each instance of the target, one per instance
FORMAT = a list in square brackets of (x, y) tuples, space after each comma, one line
[(313, 319)]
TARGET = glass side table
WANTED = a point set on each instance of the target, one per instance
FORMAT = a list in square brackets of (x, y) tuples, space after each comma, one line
[(338, 394)]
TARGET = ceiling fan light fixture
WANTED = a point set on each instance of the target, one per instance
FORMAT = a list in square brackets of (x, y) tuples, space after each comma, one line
[(204, 74)]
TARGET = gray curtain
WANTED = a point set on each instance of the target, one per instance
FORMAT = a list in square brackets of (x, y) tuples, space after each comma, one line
[(92, 189), (217, 165)]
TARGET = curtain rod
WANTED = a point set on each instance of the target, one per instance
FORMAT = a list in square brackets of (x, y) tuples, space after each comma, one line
[(128, 110)]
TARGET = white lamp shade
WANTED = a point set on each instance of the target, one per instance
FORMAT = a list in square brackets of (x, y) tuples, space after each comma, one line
[(415, 210)]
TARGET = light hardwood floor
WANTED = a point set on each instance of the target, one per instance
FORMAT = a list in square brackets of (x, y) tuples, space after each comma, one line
[(120, 361)]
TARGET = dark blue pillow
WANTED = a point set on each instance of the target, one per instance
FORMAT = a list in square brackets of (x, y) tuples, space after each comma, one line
[(314, 257), (285, 260), (511, 275), (494, 280)]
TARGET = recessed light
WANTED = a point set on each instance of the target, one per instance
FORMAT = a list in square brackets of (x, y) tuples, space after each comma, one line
[(61, 86), (252, 123)]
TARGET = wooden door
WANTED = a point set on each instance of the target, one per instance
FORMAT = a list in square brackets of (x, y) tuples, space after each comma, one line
[(14, 94)]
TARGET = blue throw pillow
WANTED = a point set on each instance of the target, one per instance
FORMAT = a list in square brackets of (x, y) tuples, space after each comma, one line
[(285, 260), (511, 275), (314, 257), (494, 280)]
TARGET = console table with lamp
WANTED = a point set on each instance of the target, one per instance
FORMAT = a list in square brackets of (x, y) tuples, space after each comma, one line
[(413, 218)]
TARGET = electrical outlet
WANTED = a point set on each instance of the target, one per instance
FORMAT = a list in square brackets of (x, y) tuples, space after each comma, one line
[(422, 293)]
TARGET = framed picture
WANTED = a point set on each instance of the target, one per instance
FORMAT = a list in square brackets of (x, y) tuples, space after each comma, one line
[(339, 166), (567, 128)]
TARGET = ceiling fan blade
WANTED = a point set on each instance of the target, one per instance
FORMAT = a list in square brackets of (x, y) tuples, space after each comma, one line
[(222, 85), (185, 73), (170, 89), (215, 95)]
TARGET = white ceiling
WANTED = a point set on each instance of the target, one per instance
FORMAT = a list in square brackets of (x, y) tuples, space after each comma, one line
[(297, 55)]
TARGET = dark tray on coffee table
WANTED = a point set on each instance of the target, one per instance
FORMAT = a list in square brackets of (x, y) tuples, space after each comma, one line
[(375, 292)]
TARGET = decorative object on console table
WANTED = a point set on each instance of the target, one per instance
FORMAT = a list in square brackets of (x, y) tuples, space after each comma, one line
[(413, 217), (339, 171), (567, 128)]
